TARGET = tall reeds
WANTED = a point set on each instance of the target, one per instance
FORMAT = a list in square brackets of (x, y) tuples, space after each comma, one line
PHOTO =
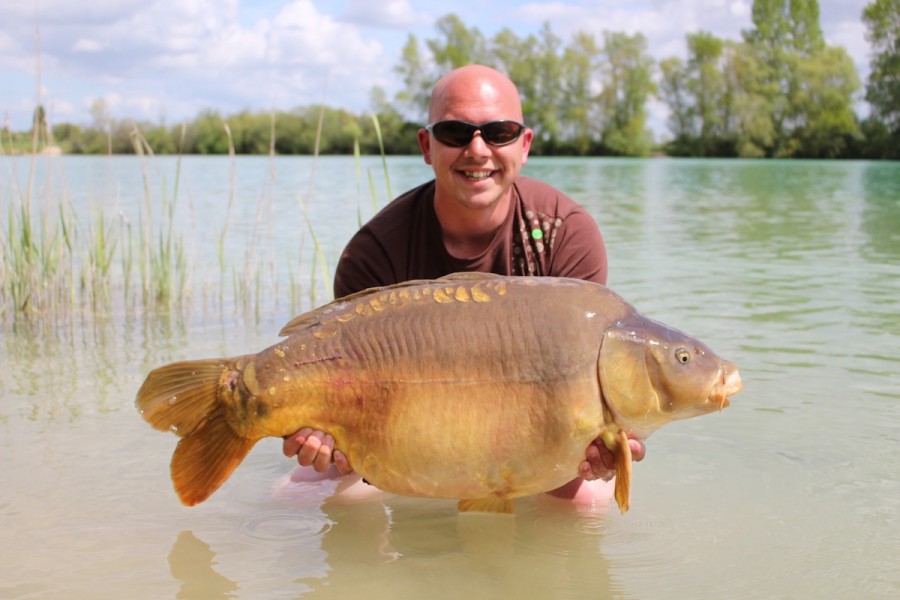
[(36, 250), (162, 264), (53, 264), (57, 261)]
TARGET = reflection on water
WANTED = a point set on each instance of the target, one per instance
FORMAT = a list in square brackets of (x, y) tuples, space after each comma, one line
[(406, 548), (880, 216), (791, 269), (192, 562)]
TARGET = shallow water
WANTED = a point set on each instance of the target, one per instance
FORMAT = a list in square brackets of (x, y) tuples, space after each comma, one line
[(790, 269)]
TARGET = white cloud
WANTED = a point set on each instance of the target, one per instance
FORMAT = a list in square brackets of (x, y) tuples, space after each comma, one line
[(387, 13), (175, 57), (300, 35), (87, 45), (740, 9), (55, 12)]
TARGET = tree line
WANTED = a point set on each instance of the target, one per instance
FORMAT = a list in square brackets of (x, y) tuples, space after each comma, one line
[(779, 91)]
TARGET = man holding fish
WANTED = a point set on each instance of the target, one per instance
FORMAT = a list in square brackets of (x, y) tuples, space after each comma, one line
[(477, 355), (478, 214)]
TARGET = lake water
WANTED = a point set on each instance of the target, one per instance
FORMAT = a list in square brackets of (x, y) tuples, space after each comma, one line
[(790, 269)]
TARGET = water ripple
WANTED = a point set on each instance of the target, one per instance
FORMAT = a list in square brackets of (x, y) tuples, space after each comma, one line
[(282, 526)]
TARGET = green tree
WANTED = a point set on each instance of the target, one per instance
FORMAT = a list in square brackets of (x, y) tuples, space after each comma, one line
[(40, 128), (805, 87), (706, 86), (121, 139), (252, 133), (823, 103), (512, 55), (206, 134), (68, 137), (750, 123), (785, 32), (882, 21), (398, 135), (626, 78), (417, 81), (673, 92), (579, 66), (458, 45), (294, 135), (159, 138), (541, 93), (99, 139)]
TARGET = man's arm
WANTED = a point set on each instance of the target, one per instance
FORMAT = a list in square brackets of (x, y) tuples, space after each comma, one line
[(363, 264), (579, 251)]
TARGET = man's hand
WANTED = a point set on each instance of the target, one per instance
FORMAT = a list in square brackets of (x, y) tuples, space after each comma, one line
[(600, 463), (316, 449)]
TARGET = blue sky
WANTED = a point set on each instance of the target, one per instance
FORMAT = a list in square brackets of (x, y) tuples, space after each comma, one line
[(168, 59)]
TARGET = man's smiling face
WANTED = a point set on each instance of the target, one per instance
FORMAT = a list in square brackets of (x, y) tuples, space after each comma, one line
[(477, 175)]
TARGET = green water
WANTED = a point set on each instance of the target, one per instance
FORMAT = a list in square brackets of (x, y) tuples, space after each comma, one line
[(790, 269)]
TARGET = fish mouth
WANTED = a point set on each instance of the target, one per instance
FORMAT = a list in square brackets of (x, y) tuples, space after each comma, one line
[(728, 384)]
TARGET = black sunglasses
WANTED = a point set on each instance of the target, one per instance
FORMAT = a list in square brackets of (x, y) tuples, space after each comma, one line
[(457, 134)]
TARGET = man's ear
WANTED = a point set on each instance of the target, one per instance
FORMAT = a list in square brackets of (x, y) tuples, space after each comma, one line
[(527, 136), (425, 145)]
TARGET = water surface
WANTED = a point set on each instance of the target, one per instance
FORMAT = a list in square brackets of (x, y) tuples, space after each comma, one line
[(790, 269)]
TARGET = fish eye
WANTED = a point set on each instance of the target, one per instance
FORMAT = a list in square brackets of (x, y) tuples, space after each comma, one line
[(682, 356)]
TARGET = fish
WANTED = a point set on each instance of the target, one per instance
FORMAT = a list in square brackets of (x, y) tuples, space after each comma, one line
[(474, 387)]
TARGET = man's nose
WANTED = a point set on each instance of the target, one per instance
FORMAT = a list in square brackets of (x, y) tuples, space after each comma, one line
[(477, 146)]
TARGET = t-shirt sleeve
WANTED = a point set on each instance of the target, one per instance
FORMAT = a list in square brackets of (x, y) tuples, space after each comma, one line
[(579, 250), (363, 264)]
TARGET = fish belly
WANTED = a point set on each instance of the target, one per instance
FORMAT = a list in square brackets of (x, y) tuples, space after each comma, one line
[(474, 440)]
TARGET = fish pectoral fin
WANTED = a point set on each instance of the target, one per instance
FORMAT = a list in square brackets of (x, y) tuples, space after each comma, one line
[(494, 505), (623, 471), (204, 459)]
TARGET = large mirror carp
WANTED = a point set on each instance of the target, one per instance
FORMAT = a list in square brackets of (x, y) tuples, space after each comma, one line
[(476, 387)]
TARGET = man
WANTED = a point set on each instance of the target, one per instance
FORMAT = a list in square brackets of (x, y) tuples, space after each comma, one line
[(478, 214)]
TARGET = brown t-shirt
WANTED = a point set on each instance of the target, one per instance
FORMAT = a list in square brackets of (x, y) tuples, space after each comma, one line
[(545, 233)]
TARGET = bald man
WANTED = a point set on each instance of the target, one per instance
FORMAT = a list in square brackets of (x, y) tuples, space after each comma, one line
[(477, 214)]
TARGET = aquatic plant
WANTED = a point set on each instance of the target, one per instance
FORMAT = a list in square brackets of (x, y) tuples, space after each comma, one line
[(58, 262)]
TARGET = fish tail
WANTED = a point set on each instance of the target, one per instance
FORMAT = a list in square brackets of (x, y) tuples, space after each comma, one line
[(185, 398), (623, 472)]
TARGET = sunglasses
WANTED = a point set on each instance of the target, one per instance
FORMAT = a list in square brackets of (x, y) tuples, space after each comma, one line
[(457, 134)]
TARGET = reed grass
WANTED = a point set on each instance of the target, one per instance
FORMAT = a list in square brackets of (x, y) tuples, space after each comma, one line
[(35, 250), (57, 264), (387, 179), (163, 266)]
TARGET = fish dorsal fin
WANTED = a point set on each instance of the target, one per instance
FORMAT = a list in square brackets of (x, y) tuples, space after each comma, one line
[(494, 505), (468, 276), (317, 315)]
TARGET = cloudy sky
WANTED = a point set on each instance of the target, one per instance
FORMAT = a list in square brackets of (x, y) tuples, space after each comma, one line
[(165, 60)]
